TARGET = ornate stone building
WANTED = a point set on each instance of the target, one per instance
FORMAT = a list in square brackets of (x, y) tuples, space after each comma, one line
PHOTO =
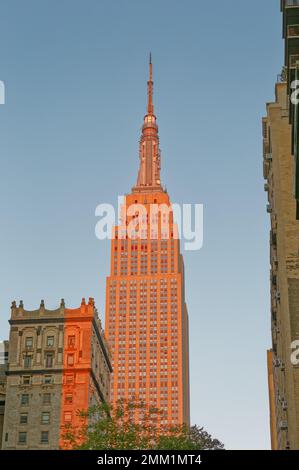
[(58, 364)]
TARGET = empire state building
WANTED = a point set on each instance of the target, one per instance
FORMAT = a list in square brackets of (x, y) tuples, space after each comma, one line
[(146, 313)]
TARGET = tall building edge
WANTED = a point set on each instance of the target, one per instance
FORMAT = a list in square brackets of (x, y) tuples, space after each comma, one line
[(279, 172), (4, 347), (186, 390), (271, 388)]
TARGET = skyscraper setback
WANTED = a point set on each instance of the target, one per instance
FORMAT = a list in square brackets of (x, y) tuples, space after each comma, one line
[(146, 313)]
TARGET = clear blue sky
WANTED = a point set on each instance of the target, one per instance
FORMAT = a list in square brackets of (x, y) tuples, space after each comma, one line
[(75, 75)]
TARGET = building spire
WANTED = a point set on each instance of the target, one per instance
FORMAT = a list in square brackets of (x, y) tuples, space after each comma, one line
[(150, 84), (149, 153)]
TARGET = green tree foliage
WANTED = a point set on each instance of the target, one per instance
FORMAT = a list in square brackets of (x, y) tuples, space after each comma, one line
[(133, 426)]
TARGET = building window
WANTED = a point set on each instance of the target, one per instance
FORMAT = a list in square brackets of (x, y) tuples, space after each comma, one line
[(68, 416), (49, 360), (69, 398), (48, 379), (26, 380), (294, 58), (71, 341), (69, 379), (293, 30), (23, 418), (70, 359), (29, 342), (46, 398), (22, 437), (44, 437), (50, 341), (25, 399), (27, 361), (45, 417), (6, 436)]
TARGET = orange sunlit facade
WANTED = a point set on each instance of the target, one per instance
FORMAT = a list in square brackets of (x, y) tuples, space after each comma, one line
[(146, 313), (86, 365)]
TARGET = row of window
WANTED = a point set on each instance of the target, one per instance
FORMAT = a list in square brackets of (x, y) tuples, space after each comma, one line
[(25, 397), (47, 379), (45, 418), (29, 342), (50, 341), (22, 440), (46, 399), (48, 361), (142, 282), (27, 379)]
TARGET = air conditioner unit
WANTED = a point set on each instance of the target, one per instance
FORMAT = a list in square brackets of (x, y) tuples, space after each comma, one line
[(266, 187), (277, 363), (283, 425), (268, 157), (265, 130), (269, 208), (277, 296), (284, 405)]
